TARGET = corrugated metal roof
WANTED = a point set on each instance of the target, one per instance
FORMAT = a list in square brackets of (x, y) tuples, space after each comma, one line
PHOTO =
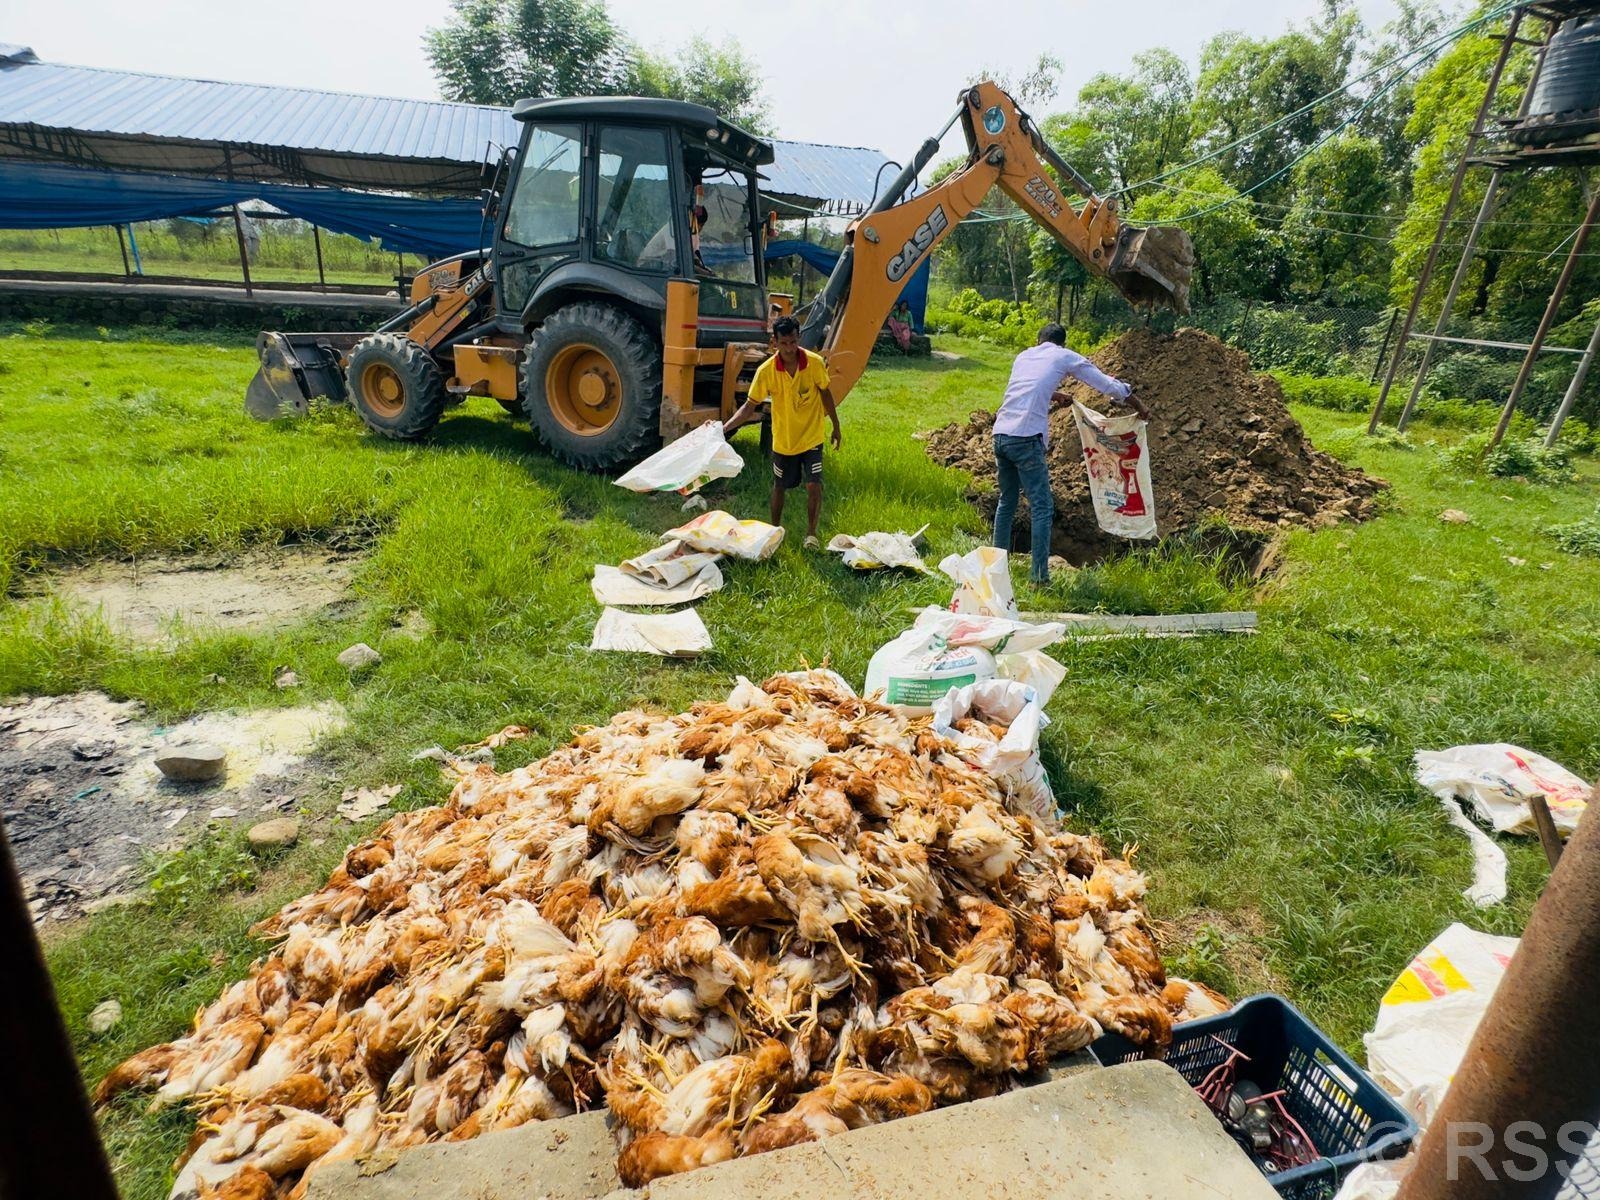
[(161, 122)]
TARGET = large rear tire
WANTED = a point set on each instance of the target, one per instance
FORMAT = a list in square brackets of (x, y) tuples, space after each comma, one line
[(591, 380), (395, 387)]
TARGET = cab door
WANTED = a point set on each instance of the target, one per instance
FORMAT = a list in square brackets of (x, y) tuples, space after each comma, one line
[(541, 226)]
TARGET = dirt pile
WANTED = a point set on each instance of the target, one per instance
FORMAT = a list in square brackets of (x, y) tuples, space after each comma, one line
[(1221, 442)]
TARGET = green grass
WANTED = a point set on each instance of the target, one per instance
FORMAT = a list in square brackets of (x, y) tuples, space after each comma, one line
[(1265, 780)]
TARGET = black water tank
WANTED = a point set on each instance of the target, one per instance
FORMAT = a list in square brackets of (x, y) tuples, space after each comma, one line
[(1566, 100)]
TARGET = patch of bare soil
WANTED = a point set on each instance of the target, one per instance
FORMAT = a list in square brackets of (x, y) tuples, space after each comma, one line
[(154, 599), (1222, 443), (83, 800)]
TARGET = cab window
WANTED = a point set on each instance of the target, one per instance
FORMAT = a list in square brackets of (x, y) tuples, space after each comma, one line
[(544, 204), (634, 216)]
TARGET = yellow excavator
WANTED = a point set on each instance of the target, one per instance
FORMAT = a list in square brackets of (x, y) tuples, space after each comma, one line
[(622, 299)]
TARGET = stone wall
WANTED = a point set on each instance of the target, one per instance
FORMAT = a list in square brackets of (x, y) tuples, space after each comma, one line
[(64, 306)]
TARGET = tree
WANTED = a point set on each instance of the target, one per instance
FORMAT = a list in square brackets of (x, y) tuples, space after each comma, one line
[(1236, 257), (1387, 102), (1056, 273), (500, 51), (1341, 257), (721, 77), (1127, 129), (1246, 84)]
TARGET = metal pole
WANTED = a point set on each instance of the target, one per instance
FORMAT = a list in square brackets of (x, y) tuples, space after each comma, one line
[(1580, 240), (122, 244), (1485, 209), (1462, 267), (48, 1142), (1506, 44), (1383, 351), (1573, 388), (316, 238), (1528, 1080), (133, 244), (244, 256)]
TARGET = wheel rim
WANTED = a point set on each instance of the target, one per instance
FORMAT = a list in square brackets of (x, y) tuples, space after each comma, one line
[(583, 389), (383, 389)]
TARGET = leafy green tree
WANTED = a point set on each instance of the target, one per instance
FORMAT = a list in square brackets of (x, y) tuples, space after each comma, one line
[(1386, 101), (722, 77), (499, 51), (1237, 257), (1056, 275), (1128, 128), (1340, 257), (1246, 84)]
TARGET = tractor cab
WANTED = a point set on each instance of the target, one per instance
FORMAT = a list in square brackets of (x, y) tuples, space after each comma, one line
[(622, 194), (615, 206)]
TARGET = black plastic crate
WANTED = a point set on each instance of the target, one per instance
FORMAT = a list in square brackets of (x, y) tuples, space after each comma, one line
[(1350, 1118)]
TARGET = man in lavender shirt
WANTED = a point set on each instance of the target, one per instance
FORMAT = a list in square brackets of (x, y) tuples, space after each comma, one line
[(1022, 432)]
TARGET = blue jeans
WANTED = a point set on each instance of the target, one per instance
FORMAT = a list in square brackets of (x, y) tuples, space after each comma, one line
[(1020, 465)]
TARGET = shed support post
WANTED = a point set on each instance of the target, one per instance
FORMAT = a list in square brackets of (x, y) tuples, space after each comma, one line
[(244, 256), (122, 244), (316, 239)]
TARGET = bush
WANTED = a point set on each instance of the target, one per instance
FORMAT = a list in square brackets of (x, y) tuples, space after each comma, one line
[(1580, 537), (1525, 457), (1000, 322), (1341, 393)]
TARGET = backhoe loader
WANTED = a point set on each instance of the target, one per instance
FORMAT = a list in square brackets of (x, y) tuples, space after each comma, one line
[(622, 298)]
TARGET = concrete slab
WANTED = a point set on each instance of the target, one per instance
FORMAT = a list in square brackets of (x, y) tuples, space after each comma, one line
[(1131, 1132), (571, 1159)]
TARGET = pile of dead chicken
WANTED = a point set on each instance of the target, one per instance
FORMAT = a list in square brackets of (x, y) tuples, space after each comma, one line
[(753, 924)]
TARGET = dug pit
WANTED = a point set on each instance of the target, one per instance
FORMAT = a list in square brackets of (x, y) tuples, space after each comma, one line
[(84, 802), (1222, 445), (155, 600)]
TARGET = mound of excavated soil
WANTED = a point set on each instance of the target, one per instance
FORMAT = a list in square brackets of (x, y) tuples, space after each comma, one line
[(1221, 442)]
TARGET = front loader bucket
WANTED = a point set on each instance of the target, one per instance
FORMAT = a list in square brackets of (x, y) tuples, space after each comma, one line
[(292, 375), (1152, 266)]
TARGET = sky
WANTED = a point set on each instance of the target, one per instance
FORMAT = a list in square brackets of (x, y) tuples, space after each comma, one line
[(878, 73)]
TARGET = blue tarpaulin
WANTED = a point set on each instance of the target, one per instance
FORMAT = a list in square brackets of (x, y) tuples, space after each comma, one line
[(821, 259), (38, 196), (41, 196)]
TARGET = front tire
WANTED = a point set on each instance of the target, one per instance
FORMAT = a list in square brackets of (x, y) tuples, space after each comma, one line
[(395, 387), (591, 380)]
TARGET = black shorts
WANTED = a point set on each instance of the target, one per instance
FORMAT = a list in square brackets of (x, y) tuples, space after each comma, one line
[(791, 470)]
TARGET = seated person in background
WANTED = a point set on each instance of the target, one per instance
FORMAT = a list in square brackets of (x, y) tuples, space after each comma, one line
[(899, 324)]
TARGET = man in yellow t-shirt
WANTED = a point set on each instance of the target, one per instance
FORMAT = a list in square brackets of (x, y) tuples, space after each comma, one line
[(795, 381)]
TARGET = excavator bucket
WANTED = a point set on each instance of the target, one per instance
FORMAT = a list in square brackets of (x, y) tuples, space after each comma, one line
[(1151, 267), (291, 376)]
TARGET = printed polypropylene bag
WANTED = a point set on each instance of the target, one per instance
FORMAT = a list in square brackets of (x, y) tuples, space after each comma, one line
[(1499, 779), (983, 582), (669, 564), (721, 533), (1425, 1024), (871, 551), (1013, 759), (1428, 1015), (1035, 669), (1116, 451), (686, 465), (998, 635), (917, 668)]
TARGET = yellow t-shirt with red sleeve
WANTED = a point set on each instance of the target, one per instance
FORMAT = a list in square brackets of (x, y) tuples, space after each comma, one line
[(796, 398)]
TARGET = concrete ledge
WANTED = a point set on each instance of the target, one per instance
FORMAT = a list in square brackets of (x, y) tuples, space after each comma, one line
[(190, 307)]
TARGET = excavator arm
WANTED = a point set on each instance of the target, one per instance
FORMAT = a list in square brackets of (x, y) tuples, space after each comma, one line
[(1148, 266)]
